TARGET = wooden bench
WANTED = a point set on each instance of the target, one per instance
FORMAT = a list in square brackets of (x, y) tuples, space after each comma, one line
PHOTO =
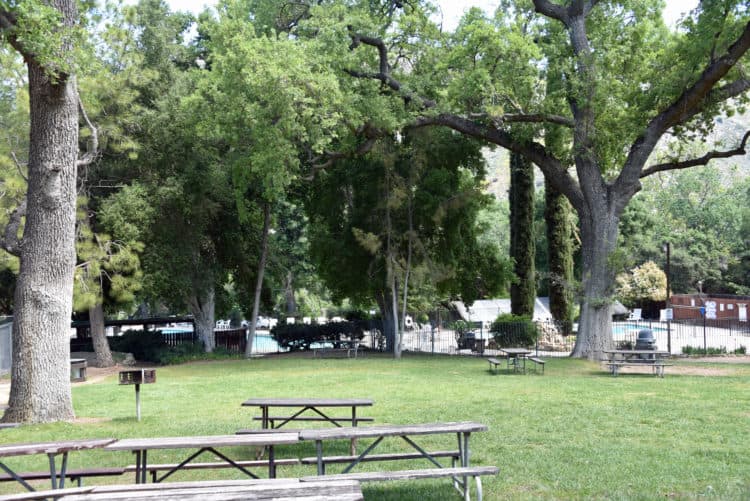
[(456, 473), (334, 420), (265, 489), (656, 367), (494, 362), (333, 352), (154, 469), (76, 475), (537, 363), (454, 455)]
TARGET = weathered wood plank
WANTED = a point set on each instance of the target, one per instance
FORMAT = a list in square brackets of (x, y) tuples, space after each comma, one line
[(25, 449), (287, 490), (379, 457), (370, 476), (307, 402), (311, 418), (70, 474), (391, 430), (259, 439)]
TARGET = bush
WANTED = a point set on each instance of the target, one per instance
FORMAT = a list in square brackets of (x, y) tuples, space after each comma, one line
[(144, 345), (513, 331), (692, 350), (301, 336)]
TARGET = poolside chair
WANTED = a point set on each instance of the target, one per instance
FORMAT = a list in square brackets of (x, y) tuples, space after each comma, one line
[(635, 315)]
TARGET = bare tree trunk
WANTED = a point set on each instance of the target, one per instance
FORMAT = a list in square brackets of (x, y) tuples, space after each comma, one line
[(99, 337), (203, 309), (40, 384), (259, 281)]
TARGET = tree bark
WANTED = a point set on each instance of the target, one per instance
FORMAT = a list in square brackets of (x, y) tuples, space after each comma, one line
[(289, 295), (99, 337), (522, 246), (599, 241), (259, 281), (202, 307), (40, 384)]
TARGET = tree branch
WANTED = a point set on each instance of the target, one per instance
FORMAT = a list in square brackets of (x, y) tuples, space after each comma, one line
[(528, 118), (691, 102), (384, 69), (684, 164), (19, 166), (10, 241), (93, 145), (552, 10), (535, 152)]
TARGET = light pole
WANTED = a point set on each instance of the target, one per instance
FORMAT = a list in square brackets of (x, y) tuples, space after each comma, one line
[(668, 307)]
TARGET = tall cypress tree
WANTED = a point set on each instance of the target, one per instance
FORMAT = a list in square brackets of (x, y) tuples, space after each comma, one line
[(522, 247), (557, 216)]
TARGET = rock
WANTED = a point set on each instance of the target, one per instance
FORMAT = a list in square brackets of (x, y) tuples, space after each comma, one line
[(129, 360)]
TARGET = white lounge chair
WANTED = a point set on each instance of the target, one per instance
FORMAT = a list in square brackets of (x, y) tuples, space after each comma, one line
[(635, 315)]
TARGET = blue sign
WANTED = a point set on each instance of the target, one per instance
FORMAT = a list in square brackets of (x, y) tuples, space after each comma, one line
[(703, 311)]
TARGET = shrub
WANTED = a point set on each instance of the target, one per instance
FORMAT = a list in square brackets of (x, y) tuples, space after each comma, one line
[(301, 336), (740, 351), (144, 345), (513, 331), (692, 350)]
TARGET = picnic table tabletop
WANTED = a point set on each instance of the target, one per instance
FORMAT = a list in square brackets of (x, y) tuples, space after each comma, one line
[(305, 402), (391, 430), (515, 351), (257, 439), (23, 449)]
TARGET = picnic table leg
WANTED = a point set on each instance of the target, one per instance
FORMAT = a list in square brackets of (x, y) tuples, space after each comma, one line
[(271, 462), (16, 477), (353, 445), (319, 452)]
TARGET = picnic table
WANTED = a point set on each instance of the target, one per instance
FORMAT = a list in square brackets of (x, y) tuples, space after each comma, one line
[(636, 358), (51, 449), (265, 489), (516, 358), (460, 474), (141, 446)]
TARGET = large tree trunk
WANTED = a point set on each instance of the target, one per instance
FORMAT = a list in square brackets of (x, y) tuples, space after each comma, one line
[(259, 280), (522, 246), (99, 337), (390, 320), (40, 384), (557, 214), (202, 307), (599, 240)]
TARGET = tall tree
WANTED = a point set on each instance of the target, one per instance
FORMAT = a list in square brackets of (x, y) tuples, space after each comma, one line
[(43, 32), (622, 97), (522, 246)]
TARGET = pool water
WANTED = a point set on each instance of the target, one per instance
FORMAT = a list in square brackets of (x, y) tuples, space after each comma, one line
[(621, 330)]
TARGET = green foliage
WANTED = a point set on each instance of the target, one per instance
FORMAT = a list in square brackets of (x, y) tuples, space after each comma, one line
[(514, 331), (522, 246), (302, 336), (144, 345)]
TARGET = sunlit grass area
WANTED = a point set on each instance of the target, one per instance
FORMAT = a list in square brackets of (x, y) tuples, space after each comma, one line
[(573, 433)]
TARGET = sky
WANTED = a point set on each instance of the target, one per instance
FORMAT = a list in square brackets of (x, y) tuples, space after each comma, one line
[(453, 9)]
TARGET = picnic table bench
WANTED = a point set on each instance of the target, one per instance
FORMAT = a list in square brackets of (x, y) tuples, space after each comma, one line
[(141, 446), (460, 474), (76, 475), (217, 490), (51, 449)]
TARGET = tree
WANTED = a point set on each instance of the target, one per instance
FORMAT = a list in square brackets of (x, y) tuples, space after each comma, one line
[(622, 96), (522, 247), (643, 283), (40, 387)]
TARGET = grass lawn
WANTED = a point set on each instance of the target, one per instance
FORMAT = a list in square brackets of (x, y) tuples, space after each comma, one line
[(573, 433)]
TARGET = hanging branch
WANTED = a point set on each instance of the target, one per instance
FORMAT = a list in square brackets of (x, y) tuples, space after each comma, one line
[(93, 145), (684, 164)]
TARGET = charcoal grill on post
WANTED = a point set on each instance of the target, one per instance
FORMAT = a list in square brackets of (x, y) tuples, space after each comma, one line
[(138, 377)]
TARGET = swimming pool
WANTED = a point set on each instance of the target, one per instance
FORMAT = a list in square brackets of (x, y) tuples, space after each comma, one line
[(623, 329)]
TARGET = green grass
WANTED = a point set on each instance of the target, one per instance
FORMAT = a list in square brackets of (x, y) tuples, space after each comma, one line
[(573, 433)]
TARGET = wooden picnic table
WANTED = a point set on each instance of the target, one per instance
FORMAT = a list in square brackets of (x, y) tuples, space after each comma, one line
[(636, 358), (51, 449), (217, 490), (462, 430), (516, 358), (141, 446), (296, 407)]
